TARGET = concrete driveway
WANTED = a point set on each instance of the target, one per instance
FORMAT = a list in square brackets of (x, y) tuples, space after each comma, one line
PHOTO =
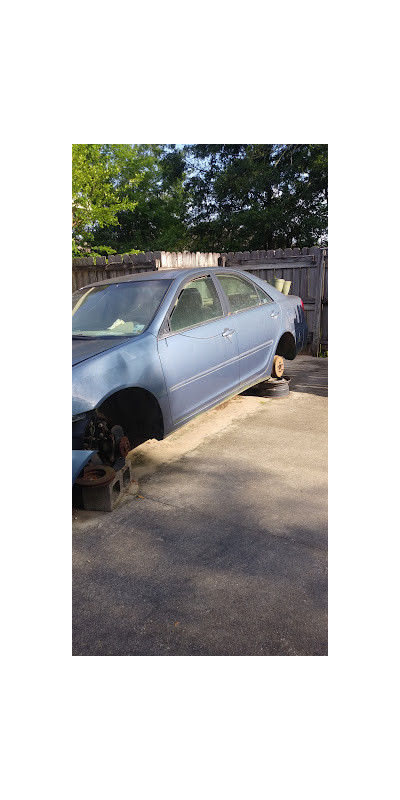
[(225, 550)]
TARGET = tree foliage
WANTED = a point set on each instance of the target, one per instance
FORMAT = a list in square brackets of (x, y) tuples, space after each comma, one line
[(158, 221), (260, 196), (101, 175), (199, 197)]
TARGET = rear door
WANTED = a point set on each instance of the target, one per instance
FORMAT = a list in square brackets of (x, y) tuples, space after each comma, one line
[(198, 351), (255, 317)]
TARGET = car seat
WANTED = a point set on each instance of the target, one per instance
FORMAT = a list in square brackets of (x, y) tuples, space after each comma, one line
[(188, 311)]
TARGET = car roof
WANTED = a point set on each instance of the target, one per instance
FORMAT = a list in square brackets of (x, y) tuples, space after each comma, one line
[(161, 274)]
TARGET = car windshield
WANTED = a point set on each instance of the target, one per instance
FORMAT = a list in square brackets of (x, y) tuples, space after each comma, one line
[(116, 309)]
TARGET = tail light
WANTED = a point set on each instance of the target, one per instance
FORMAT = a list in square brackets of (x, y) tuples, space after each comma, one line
[(302, 304)]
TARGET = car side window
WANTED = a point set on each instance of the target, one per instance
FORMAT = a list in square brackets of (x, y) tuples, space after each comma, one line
[(198, 302), (264, 297), (241, 294)]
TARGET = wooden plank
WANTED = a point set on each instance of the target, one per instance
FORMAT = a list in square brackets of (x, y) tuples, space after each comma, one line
[(295, 287), (222, 259), (294, 263), (310, 323), (288, 275), (304, 283), (312, 281), (325, 294), (318, 302), (114, 259), (324, 325)]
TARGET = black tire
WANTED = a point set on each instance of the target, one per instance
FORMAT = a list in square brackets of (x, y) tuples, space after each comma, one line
[(276, 387)]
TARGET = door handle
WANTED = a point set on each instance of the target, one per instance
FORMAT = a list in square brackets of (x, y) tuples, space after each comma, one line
[(274, 313), (228, 332)]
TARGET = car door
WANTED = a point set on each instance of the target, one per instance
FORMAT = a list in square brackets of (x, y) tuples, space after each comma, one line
[(255, 317), (198, 350)]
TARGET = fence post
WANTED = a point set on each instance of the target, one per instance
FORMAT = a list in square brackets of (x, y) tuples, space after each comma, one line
[(318, 302)]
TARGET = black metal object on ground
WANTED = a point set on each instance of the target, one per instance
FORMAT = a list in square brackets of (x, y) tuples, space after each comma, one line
[(276, 387)]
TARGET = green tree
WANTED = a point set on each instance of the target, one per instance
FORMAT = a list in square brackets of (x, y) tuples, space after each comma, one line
[(202, 197), (257, 196), (101, 176), (158, 220)]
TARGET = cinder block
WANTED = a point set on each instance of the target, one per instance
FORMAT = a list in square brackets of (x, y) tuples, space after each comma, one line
[(105, 498)]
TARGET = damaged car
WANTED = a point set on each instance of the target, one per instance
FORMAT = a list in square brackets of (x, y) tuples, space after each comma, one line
[(154, 349)]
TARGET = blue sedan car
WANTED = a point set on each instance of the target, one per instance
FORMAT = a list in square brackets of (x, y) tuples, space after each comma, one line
[(153, 350)]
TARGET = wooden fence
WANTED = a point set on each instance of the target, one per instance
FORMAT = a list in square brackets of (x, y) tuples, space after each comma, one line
[(88, 270), (307, 269)]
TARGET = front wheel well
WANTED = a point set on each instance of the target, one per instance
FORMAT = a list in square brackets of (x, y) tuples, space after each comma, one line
[(137, 411), (286, 346)]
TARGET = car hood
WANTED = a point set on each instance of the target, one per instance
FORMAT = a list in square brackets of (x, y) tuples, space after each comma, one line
[(86, 348)]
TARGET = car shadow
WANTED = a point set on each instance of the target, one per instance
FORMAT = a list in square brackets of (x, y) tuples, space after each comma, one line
[(307, 374)]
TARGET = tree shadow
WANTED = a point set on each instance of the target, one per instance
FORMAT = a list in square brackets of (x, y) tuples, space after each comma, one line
[(197, 569)]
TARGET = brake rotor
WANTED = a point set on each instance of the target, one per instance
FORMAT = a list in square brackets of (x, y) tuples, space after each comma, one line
[(278, 367), (124, 446), (96, 475)]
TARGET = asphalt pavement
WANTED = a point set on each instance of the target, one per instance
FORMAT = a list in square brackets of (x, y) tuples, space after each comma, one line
[(223, 551)]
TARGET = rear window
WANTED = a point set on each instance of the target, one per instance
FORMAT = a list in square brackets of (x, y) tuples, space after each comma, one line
[(241, 293)]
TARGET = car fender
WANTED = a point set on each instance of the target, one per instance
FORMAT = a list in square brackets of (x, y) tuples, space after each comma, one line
[(134, 365)]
